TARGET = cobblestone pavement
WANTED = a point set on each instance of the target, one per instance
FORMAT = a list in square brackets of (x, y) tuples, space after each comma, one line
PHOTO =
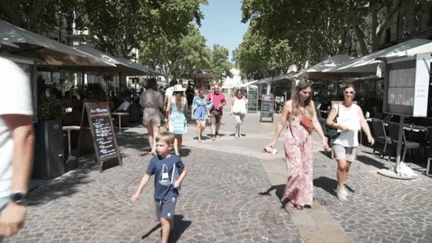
[(220, 202), (380, 209)]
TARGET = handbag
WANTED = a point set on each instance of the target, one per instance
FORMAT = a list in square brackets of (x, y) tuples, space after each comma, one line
[(333, 133), (306, 122)]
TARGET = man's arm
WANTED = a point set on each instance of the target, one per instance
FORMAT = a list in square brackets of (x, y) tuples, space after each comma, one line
[(13, 216)]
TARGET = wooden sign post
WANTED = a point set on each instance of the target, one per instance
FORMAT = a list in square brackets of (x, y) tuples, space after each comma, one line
[(99, 122)]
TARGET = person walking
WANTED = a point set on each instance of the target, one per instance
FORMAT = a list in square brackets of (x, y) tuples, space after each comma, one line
[(238, 109), (348, 122), (177, 105), (169, 173), (16, 146), (199, 112), (152, 102), (300, 119), (219, 102)]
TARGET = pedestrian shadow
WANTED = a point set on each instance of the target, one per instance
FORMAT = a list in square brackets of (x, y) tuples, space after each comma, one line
[(279, 190), (180, 227), (370, 161), (151, 231), (185, 152), (329, 185)]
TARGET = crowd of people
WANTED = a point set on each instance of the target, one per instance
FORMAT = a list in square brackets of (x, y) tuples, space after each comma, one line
[(170, 111)]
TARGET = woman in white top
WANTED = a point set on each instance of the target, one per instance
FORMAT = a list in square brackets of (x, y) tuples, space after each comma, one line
[(238, 109), (349, 120)]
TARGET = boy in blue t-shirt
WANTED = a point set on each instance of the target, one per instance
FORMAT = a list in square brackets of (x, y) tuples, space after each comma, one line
[(166, 168)]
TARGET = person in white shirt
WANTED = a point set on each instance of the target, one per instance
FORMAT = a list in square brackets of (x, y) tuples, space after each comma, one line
[(349, 121), (16, 146), (238, 109)]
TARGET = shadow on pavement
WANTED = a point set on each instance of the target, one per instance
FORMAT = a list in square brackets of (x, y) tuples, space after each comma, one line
[(329, 185), (151, 231), (369, 161), (278, 188), (180, 227), (185, 152), (64, 185)]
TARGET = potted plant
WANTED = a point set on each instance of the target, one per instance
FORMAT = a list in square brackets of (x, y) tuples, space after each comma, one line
[(49, 155)]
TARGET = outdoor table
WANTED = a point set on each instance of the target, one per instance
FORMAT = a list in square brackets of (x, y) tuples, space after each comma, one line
[(68, 129), (120, 114)]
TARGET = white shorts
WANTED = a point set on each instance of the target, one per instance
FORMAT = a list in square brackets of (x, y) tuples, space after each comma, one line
[(348, 153)]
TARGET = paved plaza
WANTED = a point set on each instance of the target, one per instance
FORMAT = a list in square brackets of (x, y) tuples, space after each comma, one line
[(231, 194)]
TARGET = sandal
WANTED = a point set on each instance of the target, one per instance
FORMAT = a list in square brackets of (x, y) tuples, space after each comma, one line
[(298, 207), (289, 206)]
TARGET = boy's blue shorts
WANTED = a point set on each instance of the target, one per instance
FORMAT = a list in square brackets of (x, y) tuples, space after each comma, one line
[(165, 208)]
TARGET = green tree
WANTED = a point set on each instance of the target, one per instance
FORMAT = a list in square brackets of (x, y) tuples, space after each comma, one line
[(318, 28), (219, 62), (118, 26), (258, 56), (39, 16), (176, 56)]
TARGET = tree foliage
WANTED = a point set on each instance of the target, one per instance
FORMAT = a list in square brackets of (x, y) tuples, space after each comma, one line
[(258, 56), (219, 62), (118, 26), (35, 15), (176, 56), (316, 28)]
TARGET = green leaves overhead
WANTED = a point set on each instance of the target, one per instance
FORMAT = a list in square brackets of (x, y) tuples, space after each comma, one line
[(118, 26), (176, 56), (317, 28), (259, 57), (219, 62)]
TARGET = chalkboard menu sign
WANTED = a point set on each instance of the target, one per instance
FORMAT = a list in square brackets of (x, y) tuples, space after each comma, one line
[(104, 137), (252, 101), (267, 107), (99, 122)]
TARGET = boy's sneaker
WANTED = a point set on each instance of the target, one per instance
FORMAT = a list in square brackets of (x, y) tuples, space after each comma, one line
[(342, 193)]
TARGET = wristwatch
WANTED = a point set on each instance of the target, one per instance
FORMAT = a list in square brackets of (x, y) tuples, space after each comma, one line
[(19, 198)]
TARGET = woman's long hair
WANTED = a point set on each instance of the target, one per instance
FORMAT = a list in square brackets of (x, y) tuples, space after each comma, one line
[(302, 84), (152, 84)]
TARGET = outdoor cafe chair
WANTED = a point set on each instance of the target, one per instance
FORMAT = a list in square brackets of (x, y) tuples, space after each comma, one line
[(380, 136), (429, 150), (394, 135)]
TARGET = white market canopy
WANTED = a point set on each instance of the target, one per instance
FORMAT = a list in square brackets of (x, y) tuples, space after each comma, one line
[(246, 84), (369, 63), (318, 71)]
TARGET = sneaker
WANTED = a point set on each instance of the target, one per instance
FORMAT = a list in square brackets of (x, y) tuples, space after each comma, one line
[(342, 193), (214, 137), (217, 135)]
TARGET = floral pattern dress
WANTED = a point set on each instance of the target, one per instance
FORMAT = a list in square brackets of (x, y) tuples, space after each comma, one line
[(299, 163)]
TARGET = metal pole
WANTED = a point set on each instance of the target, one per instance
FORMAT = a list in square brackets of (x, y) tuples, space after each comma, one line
[(399, 146)]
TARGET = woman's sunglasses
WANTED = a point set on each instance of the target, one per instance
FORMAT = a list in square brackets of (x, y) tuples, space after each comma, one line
[(349, 92)]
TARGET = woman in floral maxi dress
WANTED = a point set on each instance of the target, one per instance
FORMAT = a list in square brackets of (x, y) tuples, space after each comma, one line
[(298, 146)]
